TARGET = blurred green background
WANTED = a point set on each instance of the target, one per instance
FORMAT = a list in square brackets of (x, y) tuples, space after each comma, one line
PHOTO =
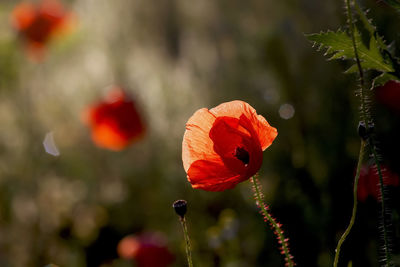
[(174, 57)]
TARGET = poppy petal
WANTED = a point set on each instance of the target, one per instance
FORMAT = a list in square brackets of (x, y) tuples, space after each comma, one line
[(265, 133), (363, 185), (223, 146), (389, 178), (227, 138), (38, 23), (212, 176), (52, 9), (23, 15), (196, 144), (104, 135), (115, 121), (389, 94)]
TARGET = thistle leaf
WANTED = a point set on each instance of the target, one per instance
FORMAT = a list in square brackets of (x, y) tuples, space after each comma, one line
[(384, 78), (340, 46), (370, 26), (393, 3)]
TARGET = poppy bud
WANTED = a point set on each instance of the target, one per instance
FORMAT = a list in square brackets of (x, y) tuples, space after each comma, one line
[(363, 131), (180, 207)]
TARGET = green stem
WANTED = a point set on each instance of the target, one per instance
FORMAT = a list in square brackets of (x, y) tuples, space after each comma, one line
[(353, 39), (383, 208), (364, 117), (353, 215), (274, 224), (187, 240)]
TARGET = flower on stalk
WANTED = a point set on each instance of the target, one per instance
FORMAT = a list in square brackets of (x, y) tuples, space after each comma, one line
[(38, 23), (114, 121), (369, 184), (147, 250), (223, 146)]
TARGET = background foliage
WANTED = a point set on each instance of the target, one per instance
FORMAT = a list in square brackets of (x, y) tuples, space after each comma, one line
[(177, 56)]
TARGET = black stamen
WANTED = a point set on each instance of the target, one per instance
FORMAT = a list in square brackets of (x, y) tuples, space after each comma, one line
[(242, 155)]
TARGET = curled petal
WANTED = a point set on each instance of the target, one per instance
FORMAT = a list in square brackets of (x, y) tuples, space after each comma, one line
[(227, 138), (196, 144), (212, 176), (265, 133)]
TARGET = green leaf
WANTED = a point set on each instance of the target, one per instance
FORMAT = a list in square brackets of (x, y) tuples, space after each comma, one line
[(394, 3), (384, 78), (370, 26), (340, 46)]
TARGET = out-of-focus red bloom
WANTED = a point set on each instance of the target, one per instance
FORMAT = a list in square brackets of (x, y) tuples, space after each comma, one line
[(37, 23), (148, 250), (223, 146), (369, 185), (389, 95), (115, 121)]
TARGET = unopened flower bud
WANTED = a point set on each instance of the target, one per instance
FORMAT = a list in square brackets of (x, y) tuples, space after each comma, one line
[(180, 207), (363, 131)]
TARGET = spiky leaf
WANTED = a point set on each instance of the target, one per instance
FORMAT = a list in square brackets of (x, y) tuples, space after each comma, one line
[(394, 3), (368, 24), (340, 46), (384, 78)]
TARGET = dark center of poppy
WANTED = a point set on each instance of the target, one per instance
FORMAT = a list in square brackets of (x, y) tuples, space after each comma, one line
[(242, 155)]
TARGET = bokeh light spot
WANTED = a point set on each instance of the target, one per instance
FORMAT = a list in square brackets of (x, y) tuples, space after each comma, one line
[(286, 111), (50, 145)]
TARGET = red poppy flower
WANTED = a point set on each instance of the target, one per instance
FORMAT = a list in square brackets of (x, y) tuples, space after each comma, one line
[(37, 23), (115, 121), (369, 185), (223, 146), (147, 250), (389, 95)]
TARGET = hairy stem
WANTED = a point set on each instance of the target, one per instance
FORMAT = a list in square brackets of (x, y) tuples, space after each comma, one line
[(187, 240), (353, 215), (274, 224), (365, 119), (383, 208)]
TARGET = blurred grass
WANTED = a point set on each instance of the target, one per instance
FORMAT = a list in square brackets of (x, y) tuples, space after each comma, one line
[(175, 57)]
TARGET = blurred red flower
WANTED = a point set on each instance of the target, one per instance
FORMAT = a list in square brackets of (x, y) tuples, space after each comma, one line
[(369, 185), (223, 146), (37, 23), (148, 250), (115, 121), (389, 95)]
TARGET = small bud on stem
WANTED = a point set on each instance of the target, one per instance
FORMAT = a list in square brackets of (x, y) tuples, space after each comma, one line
[(363, 131), (180, 207)]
